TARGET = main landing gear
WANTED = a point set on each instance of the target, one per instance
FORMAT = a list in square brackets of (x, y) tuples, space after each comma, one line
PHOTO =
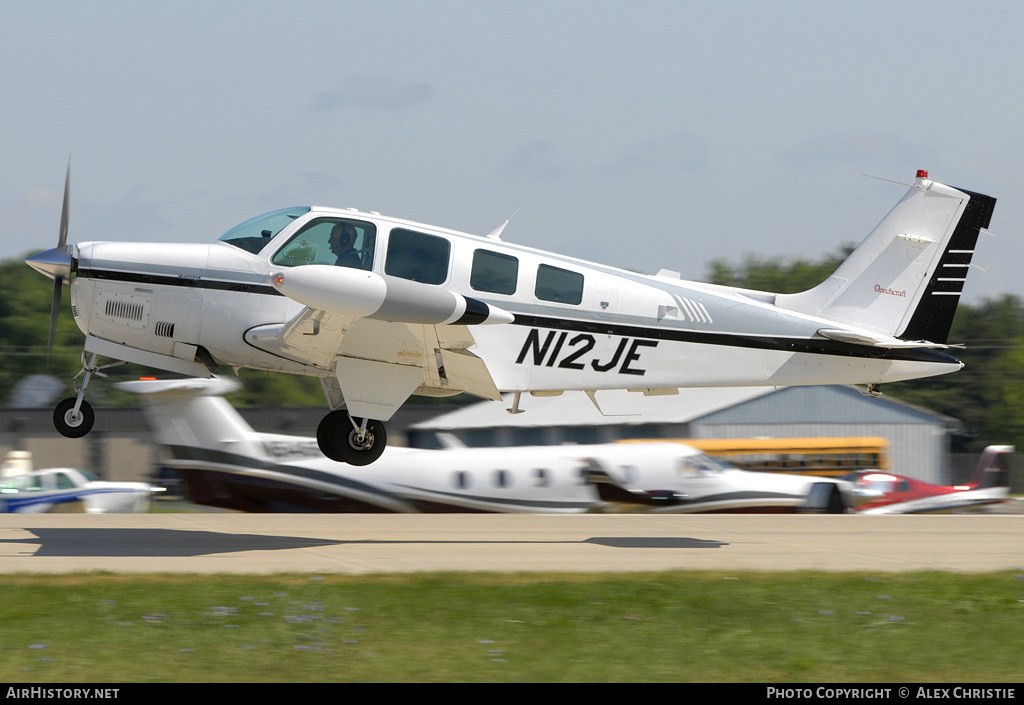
[(344, 440), (74, 417)]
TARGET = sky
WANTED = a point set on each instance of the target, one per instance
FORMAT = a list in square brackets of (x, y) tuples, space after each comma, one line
[(641, 134)]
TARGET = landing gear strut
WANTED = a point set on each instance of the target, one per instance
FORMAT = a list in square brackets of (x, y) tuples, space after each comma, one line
[(344, 440), (74, 417)]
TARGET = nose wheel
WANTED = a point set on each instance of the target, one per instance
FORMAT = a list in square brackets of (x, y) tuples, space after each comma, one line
[(73, 419), (344, 440)]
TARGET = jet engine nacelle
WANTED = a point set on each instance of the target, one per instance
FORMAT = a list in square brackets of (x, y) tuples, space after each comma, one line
[(354, 292)]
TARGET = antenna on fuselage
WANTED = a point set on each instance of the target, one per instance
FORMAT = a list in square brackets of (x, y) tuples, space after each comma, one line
[(496, 233)]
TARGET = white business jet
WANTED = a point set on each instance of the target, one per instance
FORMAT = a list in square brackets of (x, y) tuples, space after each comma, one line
[(380, 309), (225, 463)]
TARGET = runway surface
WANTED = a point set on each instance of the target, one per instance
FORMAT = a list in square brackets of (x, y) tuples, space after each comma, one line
[(362, 544)]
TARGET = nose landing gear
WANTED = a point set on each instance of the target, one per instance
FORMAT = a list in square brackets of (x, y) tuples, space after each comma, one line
[(343, 440), (74, 417)]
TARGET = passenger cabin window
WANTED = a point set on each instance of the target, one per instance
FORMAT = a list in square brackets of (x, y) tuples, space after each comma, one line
[(540, 477), (559, 285), (494, 272), (417, 256), (333, 241), (254, 234)]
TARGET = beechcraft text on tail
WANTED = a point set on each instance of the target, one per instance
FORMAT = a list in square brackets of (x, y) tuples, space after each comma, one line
[(380, 309)]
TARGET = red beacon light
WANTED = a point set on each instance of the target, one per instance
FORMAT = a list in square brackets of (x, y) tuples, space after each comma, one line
[(922, 173)]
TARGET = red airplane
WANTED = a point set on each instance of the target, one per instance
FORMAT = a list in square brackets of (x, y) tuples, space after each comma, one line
[(879, 492)]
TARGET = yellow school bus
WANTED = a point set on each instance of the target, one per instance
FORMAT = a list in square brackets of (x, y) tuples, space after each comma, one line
[(826, 456)]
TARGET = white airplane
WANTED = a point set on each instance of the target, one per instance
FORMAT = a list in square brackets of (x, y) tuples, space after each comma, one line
[(380, 309), (226, 464), (27, 491)]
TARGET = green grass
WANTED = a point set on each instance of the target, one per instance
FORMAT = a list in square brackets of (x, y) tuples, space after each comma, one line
[(676, 626)]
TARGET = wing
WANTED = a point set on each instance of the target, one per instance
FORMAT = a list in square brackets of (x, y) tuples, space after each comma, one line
[(385, 337), (378, 364)]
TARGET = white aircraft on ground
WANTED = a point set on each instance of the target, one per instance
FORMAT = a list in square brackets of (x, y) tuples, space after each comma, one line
[(226, 464), (27, 491), (380, 309)]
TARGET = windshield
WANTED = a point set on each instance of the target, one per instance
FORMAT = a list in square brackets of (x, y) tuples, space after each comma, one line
[(253, 235), (702, 465)]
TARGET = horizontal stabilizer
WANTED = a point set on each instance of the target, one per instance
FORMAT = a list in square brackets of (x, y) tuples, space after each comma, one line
[(876, 341)]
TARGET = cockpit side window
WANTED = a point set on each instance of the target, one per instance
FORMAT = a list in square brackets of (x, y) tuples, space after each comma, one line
[(417, 256), (254, 234), (700, 464), (334, 241)]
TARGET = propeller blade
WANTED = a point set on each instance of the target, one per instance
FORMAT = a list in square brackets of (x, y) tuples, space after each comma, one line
[(60, 261), (62, 238), (58, 285)]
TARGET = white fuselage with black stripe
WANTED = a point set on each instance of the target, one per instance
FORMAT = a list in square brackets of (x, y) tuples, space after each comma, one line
[(557, 323)]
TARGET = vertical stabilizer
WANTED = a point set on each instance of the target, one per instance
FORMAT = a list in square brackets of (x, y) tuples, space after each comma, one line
[(906, 278), (991, 470), (191, 418)]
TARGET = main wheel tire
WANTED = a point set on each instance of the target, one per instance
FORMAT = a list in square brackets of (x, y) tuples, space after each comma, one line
[(70, 424), (329, 433), (339, 441)]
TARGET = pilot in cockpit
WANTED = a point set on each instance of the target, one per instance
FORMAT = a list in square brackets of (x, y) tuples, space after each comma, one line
[(341, 242)]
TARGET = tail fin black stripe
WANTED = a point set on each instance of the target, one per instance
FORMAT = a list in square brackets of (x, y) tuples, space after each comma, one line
[(934, 314)]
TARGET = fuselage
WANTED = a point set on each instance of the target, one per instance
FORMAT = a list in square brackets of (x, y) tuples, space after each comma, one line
[(69, 490), (267, 472), (884, 493), (577, 325)]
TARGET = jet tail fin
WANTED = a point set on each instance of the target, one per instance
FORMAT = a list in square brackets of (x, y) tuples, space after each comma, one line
[(905, 279), (191, 419), (991, 470)]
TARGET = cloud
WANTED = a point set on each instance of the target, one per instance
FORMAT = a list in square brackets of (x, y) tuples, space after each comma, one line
[(45, 197), (534, 161), (854, 147), (679, 151), (373, 93)]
